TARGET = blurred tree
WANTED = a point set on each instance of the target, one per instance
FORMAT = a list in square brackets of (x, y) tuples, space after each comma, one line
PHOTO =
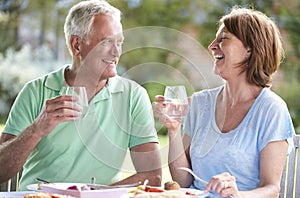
[(10, 12), (42, 13), (162, 13), (289, 13), (195, 18), (290, 20)]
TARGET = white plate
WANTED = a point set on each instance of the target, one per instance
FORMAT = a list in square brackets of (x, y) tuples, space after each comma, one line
[(14, 194), (33, 187), (201, 193), (61, 188), (194, 191)]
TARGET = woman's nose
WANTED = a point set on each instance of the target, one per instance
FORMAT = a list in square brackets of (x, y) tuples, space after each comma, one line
[(212, 45)]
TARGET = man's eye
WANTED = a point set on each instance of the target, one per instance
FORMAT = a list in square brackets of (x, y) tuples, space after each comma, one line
[(120, 43), (106, 42)]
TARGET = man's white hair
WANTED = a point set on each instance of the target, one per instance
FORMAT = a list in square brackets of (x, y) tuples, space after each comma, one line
[(81, 16)]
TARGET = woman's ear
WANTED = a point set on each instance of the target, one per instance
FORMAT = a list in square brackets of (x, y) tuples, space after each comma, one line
[(248, 50), (74, 44)]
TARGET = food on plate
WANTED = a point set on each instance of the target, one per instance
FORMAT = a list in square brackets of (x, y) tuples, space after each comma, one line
[(171, 190), (79, 188), (46, 195), (146, 188), (172, 185), (164, 194)]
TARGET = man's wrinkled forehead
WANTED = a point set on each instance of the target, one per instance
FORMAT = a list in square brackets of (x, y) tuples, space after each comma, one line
[(119, 36)]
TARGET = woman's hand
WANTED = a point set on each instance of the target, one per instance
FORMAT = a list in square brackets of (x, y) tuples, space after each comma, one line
[(224, 184), (158, 108)]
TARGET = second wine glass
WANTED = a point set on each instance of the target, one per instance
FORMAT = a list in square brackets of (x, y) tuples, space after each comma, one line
[(176, 101)]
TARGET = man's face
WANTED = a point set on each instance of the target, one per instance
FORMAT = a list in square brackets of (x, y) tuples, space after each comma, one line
[(101, 54)]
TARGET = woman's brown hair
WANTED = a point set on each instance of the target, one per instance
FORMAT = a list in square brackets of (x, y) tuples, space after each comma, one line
[(261, 35)]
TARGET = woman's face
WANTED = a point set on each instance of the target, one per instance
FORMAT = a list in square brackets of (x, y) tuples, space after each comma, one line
[(228, 52)]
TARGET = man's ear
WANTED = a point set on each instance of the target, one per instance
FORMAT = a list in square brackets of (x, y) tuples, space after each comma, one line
[(74, 44)]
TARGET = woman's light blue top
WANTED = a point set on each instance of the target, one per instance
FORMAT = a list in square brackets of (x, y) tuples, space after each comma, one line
[(238, 151)]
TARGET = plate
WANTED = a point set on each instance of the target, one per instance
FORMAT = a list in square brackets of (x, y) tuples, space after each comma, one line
[(64, 186), (200, 193), (33, 187), (14, 194), (61, 188), (196, 192), (186, 192)]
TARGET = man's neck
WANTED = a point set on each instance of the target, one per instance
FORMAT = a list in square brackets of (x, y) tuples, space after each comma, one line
[(100, 86)]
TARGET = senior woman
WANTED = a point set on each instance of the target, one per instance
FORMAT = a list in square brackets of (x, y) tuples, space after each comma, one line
[(237, 136)]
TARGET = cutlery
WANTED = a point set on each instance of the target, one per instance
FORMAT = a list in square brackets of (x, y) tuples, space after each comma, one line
[(100, 186), (97, 186), (145, 183), (42, 181), (192, 173)]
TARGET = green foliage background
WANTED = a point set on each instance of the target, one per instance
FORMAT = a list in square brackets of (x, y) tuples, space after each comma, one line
[(198, 16)]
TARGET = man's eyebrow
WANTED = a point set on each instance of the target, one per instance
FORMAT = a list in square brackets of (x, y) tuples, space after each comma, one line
[(115, 37)]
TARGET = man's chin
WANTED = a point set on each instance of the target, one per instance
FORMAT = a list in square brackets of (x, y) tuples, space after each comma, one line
[(111, 73)]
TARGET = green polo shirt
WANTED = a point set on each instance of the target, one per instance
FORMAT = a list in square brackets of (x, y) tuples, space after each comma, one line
[(119, 117)]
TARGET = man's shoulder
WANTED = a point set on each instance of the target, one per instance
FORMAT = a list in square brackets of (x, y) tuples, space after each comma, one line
[(52, 77), (125, 80), (118, 83)]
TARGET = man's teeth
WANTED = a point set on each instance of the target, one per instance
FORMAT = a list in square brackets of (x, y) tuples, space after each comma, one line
[(109, 61)]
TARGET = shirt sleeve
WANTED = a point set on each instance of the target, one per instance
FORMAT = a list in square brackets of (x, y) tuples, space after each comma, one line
[(276, 125), (142, 123), (23, 111)]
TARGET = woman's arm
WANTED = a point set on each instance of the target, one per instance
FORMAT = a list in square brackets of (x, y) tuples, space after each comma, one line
[(179, 157), (178, 146)]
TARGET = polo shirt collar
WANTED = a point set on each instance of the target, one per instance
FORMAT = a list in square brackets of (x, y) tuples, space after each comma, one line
[(56, 79), (113, 86)]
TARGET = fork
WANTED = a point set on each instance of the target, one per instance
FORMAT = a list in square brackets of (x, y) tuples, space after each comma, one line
[(42, 181), (100, 186), (192, 173)]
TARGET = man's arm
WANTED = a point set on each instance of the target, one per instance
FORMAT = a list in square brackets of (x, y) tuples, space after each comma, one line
[(14, 150), (147, 162)]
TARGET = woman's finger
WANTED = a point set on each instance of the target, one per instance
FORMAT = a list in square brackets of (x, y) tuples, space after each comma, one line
[(159, 98)]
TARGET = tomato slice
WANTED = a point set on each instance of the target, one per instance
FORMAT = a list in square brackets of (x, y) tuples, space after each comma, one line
[(153, 189)]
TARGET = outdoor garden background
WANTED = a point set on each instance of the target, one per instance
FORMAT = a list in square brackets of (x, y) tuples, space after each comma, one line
[(165, 44)]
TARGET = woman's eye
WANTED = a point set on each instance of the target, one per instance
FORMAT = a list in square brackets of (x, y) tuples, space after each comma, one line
[(222, 38)]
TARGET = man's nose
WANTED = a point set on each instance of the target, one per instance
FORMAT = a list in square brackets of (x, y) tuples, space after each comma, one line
[(116, 49)]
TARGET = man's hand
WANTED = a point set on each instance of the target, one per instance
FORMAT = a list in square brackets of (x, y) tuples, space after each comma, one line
[(57, 110)]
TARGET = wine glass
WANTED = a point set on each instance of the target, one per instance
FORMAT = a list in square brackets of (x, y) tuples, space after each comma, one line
[(80, 92), (176, 101)]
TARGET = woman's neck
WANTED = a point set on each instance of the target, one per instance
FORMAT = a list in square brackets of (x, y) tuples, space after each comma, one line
[(235, 94)]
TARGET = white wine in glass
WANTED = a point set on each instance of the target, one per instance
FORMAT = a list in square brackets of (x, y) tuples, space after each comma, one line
[(176, 101), (80, 92)]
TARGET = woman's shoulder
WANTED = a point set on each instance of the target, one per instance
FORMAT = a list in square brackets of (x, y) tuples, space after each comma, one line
[(207, 93), (270, 98)]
